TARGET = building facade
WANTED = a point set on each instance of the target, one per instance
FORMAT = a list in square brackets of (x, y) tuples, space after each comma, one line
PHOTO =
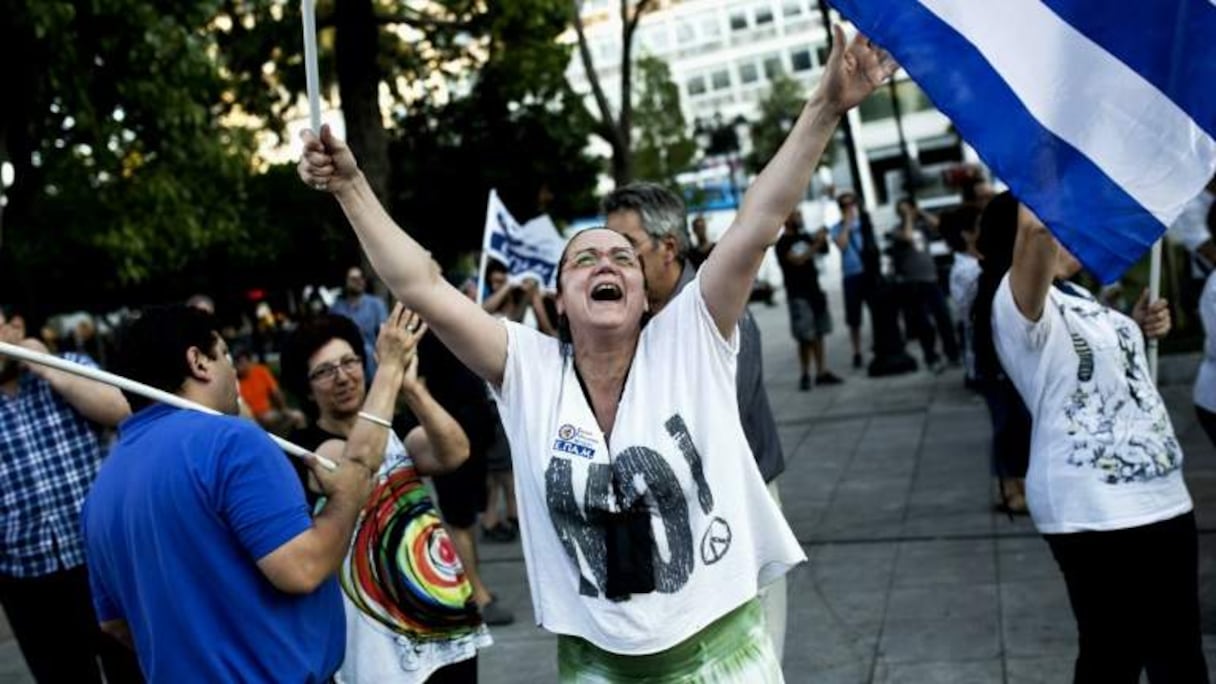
[(723, 54)]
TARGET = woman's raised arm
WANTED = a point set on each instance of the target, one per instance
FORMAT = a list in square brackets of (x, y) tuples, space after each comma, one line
[(853, 72), (474, 336)]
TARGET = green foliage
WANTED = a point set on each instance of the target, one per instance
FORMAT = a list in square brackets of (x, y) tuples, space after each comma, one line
[(122, 169), (132, 126), (662, 147), (778, 111)]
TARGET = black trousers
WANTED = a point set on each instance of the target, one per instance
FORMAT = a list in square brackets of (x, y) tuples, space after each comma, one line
[(464, 672), (927, 317), (53, 620), (1135, 595)]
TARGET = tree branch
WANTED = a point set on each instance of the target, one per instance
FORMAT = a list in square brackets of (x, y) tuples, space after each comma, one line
[(606, 120), (629, 26)]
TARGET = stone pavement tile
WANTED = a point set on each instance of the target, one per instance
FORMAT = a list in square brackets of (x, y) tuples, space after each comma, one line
[(1026, 558), (887, 461), (976, 602), (951, 672), (832, 629), (918, 641), (1207, 603), (847, 673), (953, 562), (12, 665), (1037, 619), (5, 631), (832, 604), (921, 524), (518, 661), (1052, 669), (1017, 526), (853, 566), (874, 493)]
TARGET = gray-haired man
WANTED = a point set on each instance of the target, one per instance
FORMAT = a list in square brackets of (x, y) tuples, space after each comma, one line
[(653, 219)]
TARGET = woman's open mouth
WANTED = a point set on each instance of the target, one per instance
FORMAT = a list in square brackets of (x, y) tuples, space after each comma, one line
[(606, 292)]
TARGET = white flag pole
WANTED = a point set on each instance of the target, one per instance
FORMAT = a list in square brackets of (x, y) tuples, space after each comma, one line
[(141, 389), (1154, 293), (312, 79), (485, 249)]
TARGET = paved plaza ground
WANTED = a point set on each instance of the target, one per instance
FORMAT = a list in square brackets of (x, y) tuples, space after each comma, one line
[(911, 577)]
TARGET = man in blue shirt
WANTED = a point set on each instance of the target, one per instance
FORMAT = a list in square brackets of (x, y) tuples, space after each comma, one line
[(49, 454), (850, 236), (367, 311), (201, 551)]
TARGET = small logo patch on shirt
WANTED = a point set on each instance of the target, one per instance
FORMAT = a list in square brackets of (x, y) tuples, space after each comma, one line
[(575, 441)]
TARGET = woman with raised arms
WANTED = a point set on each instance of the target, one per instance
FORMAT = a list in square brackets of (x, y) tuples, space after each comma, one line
[(647, 529)]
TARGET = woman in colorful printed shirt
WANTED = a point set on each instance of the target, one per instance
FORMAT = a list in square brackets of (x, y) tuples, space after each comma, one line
[(410, 616), (647, 528), (1105, 484)]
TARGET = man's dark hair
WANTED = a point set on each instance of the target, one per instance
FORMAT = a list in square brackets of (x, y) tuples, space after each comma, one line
[(306, 340), (495, 266), (964, 219), (661, 211), (969, 188), (152, 348)]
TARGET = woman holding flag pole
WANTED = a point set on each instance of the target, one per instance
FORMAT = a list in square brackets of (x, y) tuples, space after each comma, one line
[(647, 529), (1105, 485)]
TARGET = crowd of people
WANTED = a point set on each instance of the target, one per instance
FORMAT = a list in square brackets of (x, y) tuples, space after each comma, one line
[(619, 427)]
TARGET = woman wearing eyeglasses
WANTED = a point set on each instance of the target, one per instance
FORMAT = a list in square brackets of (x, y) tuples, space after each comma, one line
[(410, 616), (647, 528)]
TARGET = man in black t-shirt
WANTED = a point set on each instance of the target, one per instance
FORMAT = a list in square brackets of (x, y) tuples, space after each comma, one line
[(810, 320)]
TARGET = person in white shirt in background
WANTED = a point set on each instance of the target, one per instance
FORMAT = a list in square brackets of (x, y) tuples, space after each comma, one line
[(961, 231), (1205, 381), (608, 472), (1191, 231), (1105, 485)]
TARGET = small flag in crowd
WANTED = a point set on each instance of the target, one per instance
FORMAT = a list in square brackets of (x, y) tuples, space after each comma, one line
[(531, 250), (1099, 115)]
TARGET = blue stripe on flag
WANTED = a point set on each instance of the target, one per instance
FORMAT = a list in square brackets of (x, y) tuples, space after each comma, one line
[(1099, 223), (1171, 43)]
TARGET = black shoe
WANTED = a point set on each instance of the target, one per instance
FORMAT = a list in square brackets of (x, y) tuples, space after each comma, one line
[(495, 615), (857, 361), (804, 383), (827, 378), (498, 533)]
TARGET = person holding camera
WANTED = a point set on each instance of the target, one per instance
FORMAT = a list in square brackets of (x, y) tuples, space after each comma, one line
[(647, 527)]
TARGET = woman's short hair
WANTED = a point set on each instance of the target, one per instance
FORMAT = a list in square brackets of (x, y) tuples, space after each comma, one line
[(306, 340)]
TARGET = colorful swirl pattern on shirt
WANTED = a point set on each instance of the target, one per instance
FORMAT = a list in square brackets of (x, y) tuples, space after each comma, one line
[(403, 570)]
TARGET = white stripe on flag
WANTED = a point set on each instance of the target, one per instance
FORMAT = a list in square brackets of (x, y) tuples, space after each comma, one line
[(1084, 95)]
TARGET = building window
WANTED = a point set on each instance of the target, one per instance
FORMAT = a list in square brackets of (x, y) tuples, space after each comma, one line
[(764, 15), (710, 28), (821, 53), (738, 21), (801, 60), (685, 33), (792, 8), (696, 85), (773, 67), (721, 79), (748, 73)]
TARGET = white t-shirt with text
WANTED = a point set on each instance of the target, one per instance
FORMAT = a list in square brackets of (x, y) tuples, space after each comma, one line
[(1103, 454), (677, 443)]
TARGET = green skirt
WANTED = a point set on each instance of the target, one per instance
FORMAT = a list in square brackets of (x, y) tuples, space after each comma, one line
[(735, 649)]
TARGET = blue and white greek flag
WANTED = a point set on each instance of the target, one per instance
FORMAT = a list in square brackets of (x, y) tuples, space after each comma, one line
[(1099, 114), (531, 250)]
